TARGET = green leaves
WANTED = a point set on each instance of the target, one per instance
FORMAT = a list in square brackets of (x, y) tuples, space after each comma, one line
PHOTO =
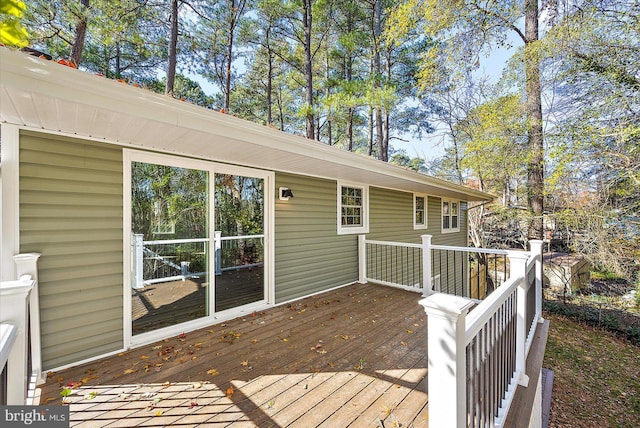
[(12, 33)]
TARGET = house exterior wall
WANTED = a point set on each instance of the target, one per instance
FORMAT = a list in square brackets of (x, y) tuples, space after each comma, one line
[(71, 212), (309, 254)]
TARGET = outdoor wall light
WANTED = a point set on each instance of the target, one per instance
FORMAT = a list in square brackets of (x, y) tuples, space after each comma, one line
[(285, 194)]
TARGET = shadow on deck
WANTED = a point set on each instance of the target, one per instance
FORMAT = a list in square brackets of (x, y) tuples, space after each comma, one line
[(355, 356)]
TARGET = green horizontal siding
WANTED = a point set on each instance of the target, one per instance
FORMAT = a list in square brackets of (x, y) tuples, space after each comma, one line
[(71, 213), (309, 254)]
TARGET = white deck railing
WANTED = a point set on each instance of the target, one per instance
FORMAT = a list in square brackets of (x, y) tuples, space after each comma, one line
[(20, 362), (477, 357), (167, 260), (463, 271)]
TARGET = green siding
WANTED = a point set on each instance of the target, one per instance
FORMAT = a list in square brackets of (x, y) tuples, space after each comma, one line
[(71, 212), (309, 254)]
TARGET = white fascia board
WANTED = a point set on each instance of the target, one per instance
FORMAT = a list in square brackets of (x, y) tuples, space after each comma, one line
[(37, 76)]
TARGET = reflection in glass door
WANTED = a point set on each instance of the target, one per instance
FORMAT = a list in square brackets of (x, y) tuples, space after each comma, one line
[(170, 245), (239, 241)]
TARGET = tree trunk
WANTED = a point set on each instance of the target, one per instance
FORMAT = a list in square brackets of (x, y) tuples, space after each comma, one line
[(227, 78), (269, 76), (377, 75), (534, 115), (173, 43), (307, 21), (81, 31)]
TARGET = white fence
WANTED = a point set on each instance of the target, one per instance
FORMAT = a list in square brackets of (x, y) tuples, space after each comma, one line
[(167, 260), (463, 271), (20, 362), (478, 351)]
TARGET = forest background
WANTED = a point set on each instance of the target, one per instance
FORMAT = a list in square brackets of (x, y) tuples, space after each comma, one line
[(556, 137)]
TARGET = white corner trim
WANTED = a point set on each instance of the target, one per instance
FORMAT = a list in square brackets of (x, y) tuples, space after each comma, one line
[(10, 193)]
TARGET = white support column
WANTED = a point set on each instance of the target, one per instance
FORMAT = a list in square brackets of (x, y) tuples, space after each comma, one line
[(427, 281), (447, 359), (518, 268), (27, 264), (362, 259), (10, 206), (13, 310), (537, 248)]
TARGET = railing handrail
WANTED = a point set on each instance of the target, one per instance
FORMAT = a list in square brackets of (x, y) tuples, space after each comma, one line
[(175, 241), (189, 240), (487, 307), (471, 249), (480, 314), (232, 238), (8, 333), (392, 244)]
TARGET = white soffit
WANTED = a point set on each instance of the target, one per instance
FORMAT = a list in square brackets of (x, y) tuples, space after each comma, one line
[(42, 94)]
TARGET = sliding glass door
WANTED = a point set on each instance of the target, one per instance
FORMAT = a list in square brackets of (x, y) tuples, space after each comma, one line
[(239, 240), (170, 245), (198, 242)]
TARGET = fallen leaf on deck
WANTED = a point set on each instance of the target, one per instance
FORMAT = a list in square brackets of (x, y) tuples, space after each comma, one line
[(245, 363), (65, 392), (403, 343), (157, 347), (193, 404), (159, 413), (129, 371), (285, 339), (143, 357), (213, 372), (254, 341), (230, 391), (182, 336), (344, 337), (410, 331), (90, 396)]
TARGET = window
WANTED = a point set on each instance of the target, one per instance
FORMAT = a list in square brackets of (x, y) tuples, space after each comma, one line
[(450, 216), (352, 209), (419, 211)]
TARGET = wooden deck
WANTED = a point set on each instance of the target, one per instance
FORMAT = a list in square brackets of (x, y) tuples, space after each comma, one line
[(354, 357)]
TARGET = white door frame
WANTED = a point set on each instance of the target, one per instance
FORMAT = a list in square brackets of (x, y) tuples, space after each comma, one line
[(130, 156)]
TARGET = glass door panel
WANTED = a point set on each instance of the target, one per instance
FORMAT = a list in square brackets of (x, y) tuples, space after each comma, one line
[(239, 241), (170, 245)]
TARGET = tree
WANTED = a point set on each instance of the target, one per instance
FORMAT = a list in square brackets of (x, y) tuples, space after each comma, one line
[(12, 33), (467, 28), (218, 27), (594, 178)]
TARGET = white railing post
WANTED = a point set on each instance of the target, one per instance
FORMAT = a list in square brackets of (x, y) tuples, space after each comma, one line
[(537, 248), (427, 281), (27, 264), (137, 277), (217, 250), (518, 269), (362, 259), (14, 296), (446, 346)]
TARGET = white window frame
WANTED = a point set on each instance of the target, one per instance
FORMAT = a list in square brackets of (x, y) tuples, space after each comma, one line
[(425, 222), (450, 202), (362, 228)]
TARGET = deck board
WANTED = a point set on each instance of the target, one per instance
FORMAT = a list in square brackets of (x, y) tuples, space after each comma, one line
[(349, 357)]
